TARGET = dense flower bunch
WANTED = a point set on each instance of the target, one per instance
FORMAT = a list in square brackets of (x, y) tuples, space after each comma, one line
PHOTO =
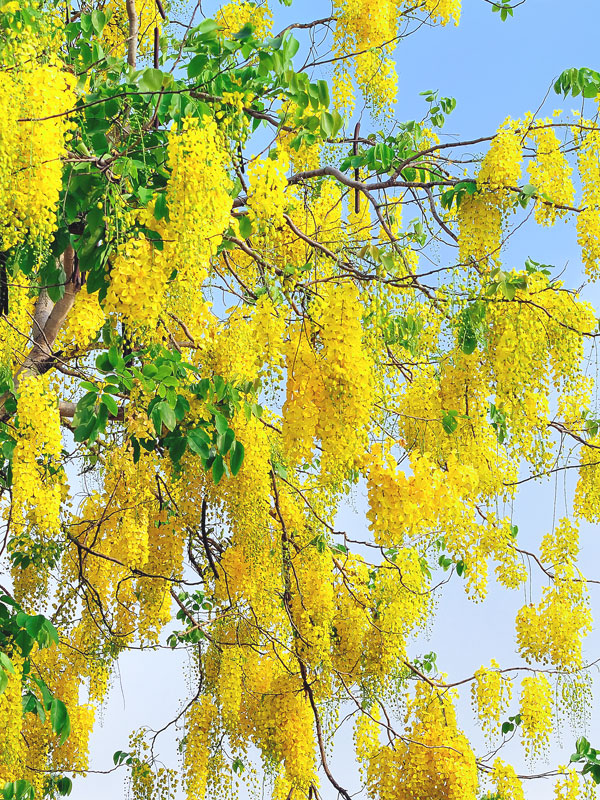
[(550, 173), (491, 693), (367, 33), (507, 785), (588, 220), (14, 326), (12, 745), (552, 632), (267, 201), (480, 231), (568, 787), (329, 386), (444, 10), (234, 15), (199, 206), (116, 31), (435, 761), (197, 747), (587, 493), (501, 165), (138, 278), (536, 713), (31, 150), (87, 316), (548, 328), (37, 484)]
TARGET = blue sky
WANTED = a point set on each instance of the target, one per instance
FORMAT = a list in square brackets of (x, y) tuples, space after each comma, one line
[(494, 70)]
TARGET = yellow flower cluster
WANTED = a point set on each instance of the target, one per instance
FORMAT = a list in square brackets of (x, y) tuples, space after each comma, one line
[(508, 786), (480, 215), (552, 632), (434, 760), (235, 14), (498, 541), (12, 744), (37, 484), (199, 208), (62, 670), (84, 321), (31, 151), (329, 385), (550, 173), (536, 713), (490, 693), (364, 34), (588, 219), (165, 557), (313, 605), (444, 10), (267, 199), (24, 45), (479, 230), (116, 31), (125, 523), (547, 329), (146, 780), (366, 735), (249, 345), (568, 786), (586, 503), (15, 327), (501, 165), (430, 500), (284, 731), (138, 279), (401, 595)]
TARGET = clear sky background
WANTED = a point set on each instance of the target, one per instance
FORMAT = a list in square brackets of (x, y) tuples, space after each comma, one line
[(494, 70)]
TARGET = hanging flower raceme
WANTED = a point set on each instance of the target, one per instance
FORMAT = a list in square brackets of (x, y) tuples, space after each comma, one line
[(37, 483), (536, 713), (236, 14), (267, 201), (138, 278), (550, 173), (588, 219), (33, 102)]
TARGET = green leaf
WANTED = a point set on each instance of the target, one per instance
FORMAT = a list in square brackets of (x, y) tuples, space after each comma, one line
[(110, 403), (245, 226), (98, 21), (449, 421), (224, 441), (218, 468), (236, 457), (327, 124), (151, 80), (221, 423), (167, 415), (198, 442), (582, 746), (121, 757), (59, 719), (279, 469), (177, 447), (197, 65), (18, 790), (64, 786), (6, 663)]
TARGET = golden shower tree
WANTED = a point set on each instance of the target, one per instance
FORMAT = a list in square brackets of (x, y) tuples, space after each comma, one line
[(223, 307)]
